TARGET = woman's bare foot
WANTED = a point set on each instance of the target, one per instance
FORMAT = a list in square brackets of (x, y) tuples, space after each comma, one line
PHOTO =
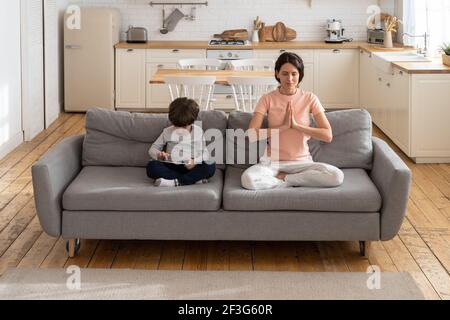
[(281, 176)]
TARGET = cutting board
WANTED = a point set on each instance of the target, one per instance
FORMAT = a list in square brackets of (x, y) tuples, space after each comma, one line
[(236, 34), (277, 33)]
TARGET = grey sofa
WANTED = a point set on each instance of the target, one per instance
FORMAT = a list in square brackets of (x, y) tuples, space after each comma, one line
[(95, 187)]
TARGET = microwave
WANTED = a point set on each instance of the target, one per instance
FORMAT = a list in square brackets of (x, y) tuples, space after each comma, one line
[(375, 36)]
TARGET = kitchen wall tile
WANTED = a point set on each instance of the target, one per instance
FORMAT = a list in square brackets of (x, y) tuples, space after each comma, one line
[(219, 15)]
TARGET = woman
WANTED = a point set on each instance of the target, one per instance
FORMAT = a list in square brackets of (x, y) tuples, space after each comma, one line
[(287, 161)]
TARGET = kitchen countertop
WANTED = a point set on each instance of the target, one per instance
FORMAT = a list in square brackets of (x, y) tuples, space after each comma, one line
[(434, 67)]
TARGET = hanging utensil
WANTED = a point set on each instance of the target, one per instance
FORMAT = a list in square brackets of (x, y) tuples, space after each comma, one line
[(164, 30)]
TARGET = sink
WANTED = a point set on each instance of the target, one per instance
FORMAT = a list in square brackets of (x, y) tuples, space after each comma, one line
[(401, 56), (382, 60)]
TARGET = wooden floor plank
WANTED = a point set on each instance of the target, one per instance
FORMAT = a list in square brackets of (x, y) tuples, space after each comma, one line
[(309, 257), (126, 255), (332, 257), (275, 256), (8, 213), (218, 256), (148, 255), (25, 148), (38, 252), (13, 230), (380, 257), (19, 168), (104, 255), (11, 258), (241, 255), (196, 256), (427, 261), (172, 256), (404, 262), (57, 257), (85, 254), (353, 259)]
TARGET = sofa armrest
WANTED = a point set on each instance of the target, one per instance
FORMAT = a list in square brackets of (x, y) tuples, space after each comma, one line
[(51, 176), (393, 180)]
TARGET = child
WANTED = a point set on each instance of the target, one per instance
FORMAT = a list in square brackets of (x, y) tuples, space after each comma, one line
[(184, 161)]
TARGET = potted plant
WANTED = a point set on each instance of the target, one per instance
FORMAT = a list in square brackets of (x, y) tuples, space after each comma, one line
[(446, 54), (390, 26)]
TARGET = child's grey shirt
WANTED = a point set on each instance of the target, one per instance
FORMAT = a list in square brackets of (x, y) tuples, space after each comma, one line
[(182, 145)]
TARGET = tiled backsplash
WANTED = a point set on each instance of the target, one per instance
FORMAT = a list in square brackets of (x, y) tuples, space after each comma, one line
[(219, 15)]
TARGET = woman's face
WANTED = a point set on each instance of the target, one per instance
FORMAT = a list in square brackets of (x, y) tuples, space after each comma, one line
[(289, 76)]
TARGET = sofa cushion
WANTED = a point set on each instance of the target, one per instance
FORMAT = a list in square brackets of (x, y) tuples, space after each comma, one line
[(118, 138), (129, 189), (356, 194), (351, 146), (352, 140)]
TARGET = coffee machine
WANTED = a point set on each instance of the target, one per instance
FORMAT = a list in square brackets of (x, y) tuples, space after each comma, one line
[(335, 32)]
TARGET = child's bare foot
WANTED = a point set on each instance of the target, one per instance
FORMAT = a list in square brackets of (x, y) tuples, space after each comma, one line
[(281, 176)]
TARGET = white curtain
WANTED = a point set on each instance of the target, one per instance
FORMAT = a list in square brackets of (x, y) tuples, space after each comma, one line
[(431, 16)]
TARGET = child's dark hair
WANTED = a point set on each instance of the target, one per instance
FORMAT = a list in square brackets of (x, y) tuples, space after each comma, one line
[(295, 60), (183, 112)]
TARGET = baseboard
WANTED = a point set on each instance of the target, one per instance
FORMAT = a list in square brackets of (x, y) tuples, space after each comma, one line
[(11, 144)]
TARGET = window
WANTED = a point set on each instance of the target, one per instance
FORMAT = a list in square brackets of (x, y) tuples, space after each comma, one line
[(431, 16)]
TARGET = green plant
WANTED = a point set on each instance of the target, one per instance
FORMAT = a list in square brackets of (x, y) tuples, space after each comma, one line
[(446, 48)]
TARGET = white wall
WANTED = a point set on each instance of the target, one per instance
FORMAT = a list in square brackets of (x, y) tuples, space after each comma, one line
[(232, 14), (11, 133)]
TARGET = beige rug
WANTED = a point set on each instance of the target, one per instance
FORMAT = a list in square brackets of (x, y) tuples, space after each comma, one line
[(205, 285)]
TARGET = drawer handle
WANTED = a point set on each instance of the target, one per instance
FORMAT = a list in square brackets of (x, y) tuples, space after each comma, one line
[(229, 96), (336, 51), (379, 79), (282, 50), (175, 50), (400, 73), (370, 55), (388, 85), (160, 66), (130, 50)]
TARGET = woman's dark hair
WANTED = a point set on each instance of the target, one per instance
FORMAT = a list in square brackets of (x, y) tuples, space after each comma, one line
[(183, 112), (295, 60)]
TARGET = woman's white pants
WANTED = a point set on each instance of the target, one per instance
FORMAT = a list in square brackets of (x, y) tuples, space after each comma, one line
[(300, 174)]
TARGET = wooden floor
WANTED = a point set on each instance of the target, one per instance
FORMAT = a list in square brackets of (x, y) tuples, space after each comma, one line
[(421, 248)]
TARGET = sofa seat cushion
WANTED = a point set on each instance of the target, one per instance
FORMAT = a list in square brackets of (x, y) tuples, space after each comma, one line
[(129, 189), (356, 194)]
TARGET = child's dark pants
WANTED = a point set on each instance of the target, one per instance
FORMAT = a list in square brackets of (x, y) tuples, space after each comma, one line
[(170, 171)]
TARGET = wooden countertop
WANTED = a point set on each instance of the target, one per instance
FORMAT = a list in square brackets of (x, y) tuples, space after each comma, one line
[(262, 45), (434, 67)]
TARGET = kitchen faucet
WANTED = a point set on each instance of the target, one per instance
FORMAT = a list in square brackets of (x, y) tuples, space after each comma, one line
[(425, 36)]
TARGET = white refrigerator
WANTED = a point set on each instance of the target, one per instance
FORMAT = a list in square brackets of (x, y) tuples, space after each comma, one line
[(90, 35)]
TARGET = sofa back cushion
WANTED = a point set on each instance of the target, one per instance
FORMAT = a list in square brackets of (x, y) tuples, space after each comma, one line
[(118, 138), (351, 146)]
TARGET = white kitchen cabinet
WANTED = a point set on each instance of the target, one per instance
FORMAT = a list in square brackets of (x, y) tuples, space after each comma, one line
[(336, 77), (399, 115), (130, 79), (157, 95), (307, 56), (430, 114), (367, 80)]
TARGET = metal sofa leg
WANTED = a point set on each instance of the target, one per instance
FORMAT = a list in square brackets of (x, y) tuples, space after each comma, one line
[(73, 247), (364, 248)]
